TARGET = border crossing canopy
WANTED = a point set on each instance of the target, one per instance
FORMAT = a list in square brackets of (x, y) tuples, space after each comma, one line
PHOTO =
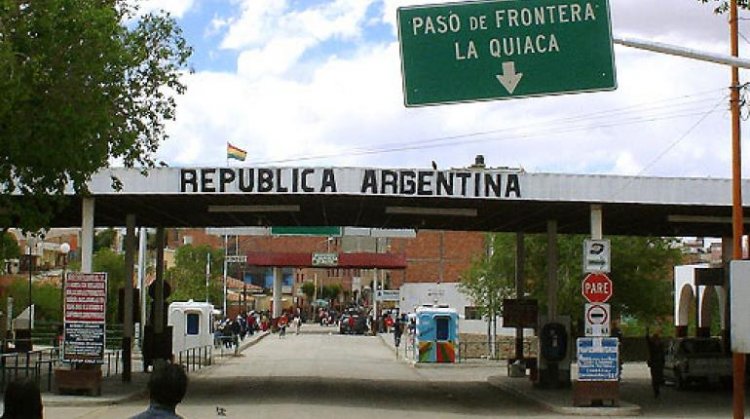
[(485, 50)]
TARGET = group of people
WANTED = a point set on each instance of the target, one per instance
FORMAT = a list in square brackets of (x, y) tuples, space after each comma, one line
[(289, 318), (327, 317), (230, 332), (167, 386)]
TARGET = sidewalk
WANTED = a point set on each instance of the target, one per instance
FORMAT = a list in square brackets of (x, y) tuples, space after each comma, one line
[(555, 400), (115, 391)]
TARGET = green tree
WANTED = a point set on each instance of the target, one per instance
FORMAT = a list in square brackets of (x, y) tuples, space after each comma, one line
[(490, 279), (330, 292), (722, 6), (8, 247), (46, 298), (84, 82), (308, 288), (641, 269), (188, 276), (106, 260), (104, 239)]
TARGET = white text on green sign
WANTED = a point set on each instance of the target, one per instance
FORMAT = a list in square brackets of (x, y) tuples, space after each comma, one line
[(501, 49)]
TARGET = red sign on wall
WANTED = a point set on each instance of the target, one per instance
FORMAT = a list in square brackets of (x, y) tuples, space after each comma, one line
[(597, 288)]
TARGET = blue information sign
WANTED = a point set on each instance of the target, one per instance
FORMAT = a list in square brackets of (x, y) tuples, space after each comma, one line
[(597, 359)]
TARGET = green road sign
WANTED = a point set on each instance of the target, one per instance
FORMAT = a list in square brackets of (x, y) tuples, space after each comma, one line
[(485, 50)]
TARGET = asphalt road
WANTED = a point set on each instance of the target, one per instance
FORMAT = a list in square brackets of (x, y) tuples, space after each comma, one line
[(326, 375), (332, 376)]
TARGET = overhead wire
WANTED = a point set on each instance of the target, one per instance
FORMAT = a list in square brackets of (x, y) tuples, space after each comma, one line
[(664, 109), (664, 152)]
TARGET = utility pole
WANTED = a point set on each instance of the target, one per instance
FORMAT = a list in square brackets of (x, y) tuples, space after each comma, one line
[(226, 253), (738, 359), (733, 60)]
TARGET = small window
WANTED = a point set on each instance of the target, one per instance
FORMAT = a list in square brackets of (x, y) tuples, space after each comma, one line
[(443, 325), (193, 321), (471, 313)]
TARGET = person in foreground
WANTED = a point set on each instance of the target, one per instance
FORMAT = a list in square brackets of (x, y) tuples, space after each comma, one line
[(166, 388), (22, 400)]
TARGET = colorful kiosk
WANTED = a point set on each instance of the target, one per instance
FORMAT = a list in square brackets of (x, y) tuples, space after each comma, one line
[(437, 334)]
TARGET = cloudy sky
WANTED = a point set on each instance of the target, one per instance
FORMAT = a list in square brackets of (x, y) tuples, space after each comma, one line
[(318, 83)]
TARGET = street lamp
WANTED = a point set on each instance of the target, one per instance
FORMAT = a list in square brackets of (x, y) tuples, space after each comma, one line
[(64, 249), (30, 244)]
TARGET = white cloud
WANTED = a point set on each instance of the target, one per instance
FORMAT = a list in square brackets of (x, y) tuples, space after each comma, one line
[(658, 121), (273, 59), (176, 8)]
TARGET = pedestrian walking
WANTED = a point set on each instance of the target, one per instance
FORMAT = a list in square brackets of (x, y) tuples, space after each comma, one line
[(297, 324), (398, 329), (655, 360), (617, 333), (282, 323)]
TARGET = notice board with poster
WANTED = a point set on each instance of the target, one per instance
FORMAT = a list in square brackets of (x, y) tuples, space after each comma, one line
[(85, 317), (520, 312)]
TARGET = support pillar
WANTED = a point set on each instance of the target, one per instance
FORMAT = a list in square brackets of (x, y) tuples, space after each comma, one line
[(520, 288), (127, 321), (87, 234), (727, 249), (375, 316), (552, 264), (142, 279), (158, 314), (277, 277), (596, 222)]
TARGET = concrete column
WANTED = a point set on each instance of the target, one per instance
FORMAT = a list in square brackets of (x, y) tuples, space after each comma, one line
[(375, 322), (158, 314), (224, 283), (127, 321), (552, 255), (596, 222), (520, 288), (277, 278), (87, 234), (727, 250), (143, 233)]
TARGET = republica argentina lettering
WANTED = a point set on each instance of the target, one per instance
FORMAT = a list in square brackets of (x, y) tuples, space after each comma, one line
[(347, 181)]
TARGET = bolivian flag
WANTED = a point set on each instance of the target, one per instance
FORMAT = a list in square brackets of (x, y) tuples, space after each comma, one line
[(235, 153)]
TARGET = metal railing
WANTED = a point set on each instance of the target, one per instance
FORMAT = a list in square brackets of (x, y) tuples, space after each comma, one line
[(196, 358), (109, 355), (483, 350), (227, 345), (32, 364)]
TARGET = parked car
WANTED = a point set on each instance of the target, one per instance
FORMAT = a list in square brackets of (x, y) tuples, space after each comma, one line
[(694, 360), (352, 323)]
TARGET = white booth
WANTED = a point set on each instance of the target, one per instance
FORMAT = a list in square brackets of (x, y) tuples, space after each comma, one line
[(192, 325)]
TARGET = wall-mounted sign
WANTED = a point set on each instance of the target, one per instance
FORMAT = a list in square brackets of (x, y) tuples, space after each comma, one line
[(325, 259), (388, 295), (520, 312)]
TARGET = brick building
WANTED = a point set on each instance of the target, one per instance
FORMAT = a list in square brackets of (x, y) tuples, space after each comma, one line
[(431, 255)]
